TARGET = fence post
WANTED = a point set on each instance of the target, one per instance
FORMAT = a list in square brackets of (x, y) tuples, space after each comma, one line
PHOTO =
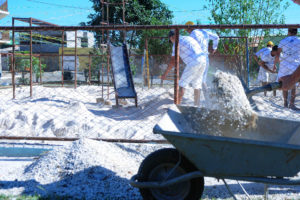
[(13, 60), (89, 69), (40, 65), (247, 60), (30, 58), (75, 79), (62, 58), (176, 78)]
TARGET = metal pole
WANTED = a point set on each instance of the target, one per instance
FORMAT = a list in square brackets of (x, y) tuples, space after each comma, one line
[(30, 58), (107, 48), (147, 64), (102, 79), (102, 52), (108, 67), (40, 65), (151, 27), (176, 78), (89, 69), (124, 32), (62, 58), (13, 60), (247, 60), (73, 139), (75, 84)]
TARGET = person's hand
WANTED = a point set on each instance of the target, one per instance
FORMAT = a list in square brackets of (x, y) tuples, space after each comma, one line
[(261, 63), (213, 51), (286, 82), (274, 69)]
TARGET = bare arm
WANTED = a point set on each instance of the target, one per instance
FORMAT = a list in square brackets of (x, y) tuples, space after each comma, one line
[(290, 80), (170, 66), (297, 1), (277, 56), (262, 64), (215, 39), (256, 58)]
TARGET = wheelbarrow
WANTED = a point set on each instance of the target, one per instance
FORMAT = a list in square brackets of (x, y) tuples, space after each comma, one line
[(268, 153)]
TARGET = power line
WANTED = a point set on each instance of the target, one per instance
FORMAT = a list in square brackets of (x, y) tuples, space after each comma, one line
[(188, 10), (59, 5)]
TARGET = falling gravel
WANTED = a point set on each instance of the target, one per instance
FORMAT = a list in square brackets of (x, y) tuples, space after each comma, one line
[(228, 98)]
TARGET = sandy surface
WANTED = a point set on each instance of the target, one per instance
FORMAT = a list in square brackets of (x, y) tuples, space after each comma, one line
[(92, 169)]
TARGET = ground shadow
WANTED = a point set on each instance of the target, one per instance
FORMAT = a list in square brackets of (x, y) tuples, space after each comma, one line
[(92, 183), (145, 110), (220, 191)]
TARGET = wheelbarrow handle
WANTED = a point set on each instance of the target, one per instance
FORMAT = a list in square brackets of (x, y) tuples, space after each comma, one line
[(268, 87), (133, 181)]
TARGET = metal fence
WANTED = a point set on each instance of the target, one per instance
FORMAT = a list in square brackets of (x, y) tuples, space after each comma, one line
[(55, 84)]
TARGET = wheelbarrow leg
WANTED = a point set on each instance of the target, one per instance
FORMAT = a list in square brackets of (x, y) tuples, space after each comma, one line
[(266, 192), (229, 190)]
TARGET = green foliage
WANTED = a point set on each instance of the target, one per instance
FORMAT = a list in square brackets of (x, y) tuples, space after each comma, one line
[(156, 46), (133, 66), (23, 64), (245, 12), (138, 12)]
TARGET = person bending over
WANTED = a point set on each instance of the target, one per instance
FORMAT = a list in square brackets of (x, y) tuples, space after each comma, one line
[(195, 61)]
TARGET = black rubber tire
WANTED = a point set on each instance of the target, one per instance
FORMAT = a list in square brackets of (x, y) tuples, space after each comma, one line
[(169, 156)]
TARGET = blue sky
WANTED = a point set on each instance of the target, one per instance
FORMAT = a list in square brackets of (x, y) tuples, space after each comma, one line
[(71, 12)]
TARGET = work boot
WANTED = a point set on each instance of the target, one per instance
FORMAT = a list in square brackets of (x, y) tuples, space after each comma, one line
[(285, 104)]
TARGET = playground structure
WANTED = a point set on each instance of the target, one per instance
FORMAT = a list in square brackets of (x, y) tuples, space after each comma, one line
[(103, 66)]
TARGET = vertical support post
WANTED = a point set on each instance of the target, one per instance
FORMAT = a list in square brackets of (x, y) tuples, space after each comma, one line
[(102, 79), (176, 78), (30, 58), (62, 58), (107, 48), (144, 64), (101, 66), (13, 60), (40, 65), (247, 60), (75, 79), (124, 32), (147, 64), (89, 69), (108, 67)]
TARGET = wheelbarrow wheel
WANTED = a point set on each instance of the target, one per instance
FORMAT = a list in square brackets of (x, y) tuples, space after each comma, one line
[(161, 165)]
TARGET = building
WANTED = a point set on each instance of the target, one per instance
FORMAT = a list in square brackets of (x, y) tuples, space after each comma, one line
[(4, 35), (48, 44)]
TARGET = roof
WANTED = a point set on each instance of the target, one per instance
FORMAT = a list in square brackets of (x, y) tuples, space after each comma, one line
[(34, 21)]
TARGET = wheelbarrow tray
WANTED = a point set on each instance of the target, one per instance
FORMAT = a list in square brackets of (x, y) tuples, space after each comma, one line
[(271, 149)]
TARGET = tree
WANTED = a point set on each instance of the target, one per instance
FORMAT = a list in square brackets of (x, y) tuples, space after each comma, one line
[(138, 12), (245, 12)]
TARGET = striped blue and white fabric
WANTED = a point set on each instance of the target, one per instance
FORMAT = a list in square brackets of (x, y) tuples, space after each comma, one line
[(290, 59), (195, 60), (203, 37), (263, 75)]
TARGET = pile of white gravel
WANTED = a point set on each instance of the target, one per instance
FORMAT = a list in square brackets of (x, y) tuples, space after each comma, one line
[(83, 167), (227, 96)]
